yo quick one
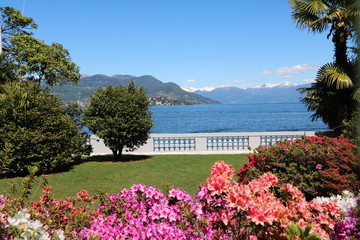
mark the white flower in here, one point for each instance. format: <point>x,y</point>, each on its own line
<point>60,234</point>
<point>36,225</point>
<point>29,229</point>
<point>20,219</point>
<point>345,201</point>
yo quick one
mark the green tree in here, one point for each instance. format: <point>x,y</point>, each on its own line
<point>27,57</point>
<point>335,92</point>
<point>120,116</point>
<point>35,130</point>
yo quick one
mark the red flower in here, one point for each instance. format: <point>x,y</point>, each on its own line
<point>46,190</point>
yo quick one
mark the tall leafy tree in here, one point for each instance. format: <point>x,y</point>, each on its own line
<point>30,58</point>
<point>120,116</point>
<point>36,130</point>
<point>335,92</point>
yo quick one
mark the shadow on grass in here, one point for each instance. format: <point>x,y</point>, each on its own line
<point>110,158</point>
<point>96,158</point>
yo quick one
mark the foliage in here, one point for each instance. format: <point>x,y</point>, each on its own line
<point>120,116</point>
<point>294,232</point>
<point>35,131</point>
<point>332,105</point>
<point>317,166</point>
<point>336,91</point>
<point>6,71</point>
<point>351,130</point>
<point>27,57</point>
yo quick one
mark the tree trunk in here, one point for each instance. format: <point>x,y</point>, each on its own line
<point>339,40</point>
<point>117,153</point>
<point>0,41</point>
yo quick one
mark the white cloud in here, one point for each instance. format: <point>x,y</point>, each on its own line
<point>309,80</point>
<point>191,80</point>
<point>295,69</point>
<point>239,81</point>
<point>265,72</point>
<point>287,77</point>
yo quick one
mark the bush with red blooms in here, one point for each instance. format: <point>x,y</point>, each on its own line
<point>318,166</point>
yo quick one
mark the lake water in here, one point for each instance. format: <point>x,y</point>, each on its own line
<point>234,118</point>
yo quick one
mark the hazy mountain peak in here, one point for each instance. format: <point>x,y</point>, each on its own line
<point>192,89</point>
<point>276,85</point>
<point>267,93</point>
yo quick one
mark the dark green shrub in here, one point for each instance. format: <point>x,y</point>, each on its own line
<point>120,116</point>
<point>318,166</point>
<point>36,131</point>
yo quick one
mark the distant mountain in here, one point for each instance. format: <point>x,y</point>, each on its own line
<point>154,88</point>
<point>282,93</point>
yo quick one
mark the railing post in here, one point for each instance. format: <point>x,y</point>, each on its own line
<point>254,142</point>
<point>148,146</point>
<point>201,143</point>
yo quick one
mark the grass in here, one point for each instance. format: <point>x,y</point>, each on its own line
<point>101,173</point>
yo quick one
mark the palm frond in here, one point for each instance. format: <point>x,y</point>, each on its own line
<point>336,76</point>
<point>333,75</point>
<point>356,95</point>
<point>310,14</point>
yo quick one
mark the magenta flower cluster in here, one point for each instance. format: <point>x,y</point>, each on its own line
<point>348,227</point>
<point>144,212</point>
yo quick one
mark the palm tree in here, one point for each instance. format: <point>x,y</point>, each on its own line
<point>334,94</point>
<point>336,15</point>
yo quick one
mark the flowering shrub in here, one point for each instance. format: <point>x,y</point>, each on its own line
<point>144,212</point>
<point>70,215</point>
<point>318,166</point>
<point>21,226</point>
<point>222,209</point>
<point>240,211</point>
<point>348,227</point>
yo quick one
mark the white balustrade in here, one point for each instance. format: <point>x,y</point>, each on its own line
<point>239,142</point>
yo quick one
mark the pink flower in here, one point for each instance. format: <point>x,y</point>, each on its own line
<point>217,185</point>
<point>294,191</point>
<point>222,168</point>
<point>318,166</point>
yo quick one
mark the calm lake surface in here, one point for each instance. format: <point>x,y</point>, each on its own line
<point>234,118</point>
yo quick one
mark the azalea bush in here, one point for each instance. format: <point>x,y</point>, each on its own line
<point>144,212</point>
<point>348,226</point>
<point>254,209</point>
<point>222,209</point>
<point>318,166</point>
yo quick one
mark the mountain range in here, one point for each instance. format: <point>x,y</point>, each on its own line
<point>172,94</point>
<point>282,93</point>
<point>154,89</point>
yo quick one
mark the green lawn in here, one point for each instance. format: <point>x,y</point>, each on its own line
<point>101,173</point>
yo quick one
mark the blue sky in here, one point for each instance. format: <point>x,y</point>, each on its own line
<point>194,43</point>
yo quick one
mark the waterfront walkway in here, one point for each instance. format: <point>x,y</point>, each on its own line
<point>204,143</point>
